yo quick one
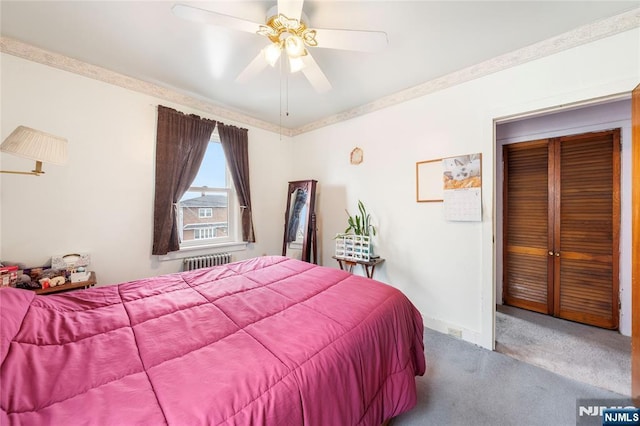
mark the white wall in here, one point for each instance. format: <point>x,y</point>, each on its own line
<point>447,268</point>
<point>102,201</point>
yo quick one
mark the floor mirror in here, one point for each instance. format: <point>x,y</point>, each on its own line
<point>299,240</point>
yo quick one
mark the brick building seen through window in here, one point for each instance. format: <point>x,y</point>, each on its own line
<point>204,217</point>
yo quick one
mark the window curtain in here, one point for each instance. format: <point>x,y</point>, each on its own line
<point>181,142</point>
<point>235,143</point>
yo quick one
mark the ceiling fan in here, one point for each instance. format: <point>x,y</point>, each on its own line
<point>287,31</point>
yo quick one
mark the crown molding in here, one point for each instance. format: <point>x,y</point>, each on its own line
<point>35,54</point>
<point>579,36</point>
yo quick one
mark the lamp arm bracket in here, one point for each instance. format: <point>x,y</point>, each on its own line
<point>36,172</point>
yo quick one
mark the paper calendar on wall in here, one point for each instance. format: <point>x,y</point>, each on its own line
<point>463,188</point>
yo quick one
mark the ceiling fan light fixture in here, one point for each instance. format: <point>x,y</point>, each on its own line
<point>296,64</point>
<point>272,53</point>
<point>289,34</point>
<point>309,37</point>
<point>268,32</point>
<point>294,46</point>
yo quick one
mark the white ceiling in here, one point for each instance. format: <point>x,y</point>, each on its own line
<point>427,40</point>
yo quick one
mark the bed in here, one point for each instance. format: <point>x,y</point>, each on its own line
<point>266,341</point>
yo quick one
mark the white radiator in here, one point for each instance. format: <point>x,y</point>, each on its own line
<point>206,261</point>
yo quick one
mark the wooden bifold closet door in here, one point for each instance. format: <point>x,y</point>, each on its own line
<point>561,227</point>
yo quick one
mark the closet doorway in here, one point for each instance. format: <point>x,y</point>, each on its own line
<point>561,227</point>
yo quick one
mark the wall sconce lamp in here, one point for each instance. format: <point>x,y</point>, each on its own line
<point>35,145</point>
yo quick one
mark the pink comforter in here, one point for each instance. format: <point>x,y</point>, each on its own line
<point>268,341</point>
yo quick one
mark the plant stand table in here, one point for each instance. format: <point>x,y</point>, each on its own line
<point>369,266</point>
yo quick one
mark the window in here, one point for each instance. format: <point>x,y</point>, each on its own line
<point>207,211</point>
<point>204,233</point>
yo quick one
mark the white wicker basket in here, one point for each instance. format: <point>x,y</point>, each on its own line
<point>353,247</point>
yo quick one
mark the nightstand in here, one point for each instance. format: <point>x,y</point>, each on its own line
<point>69,286</point>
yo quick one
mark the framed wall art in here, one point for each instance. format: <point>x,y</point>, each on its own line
<point>429,184</point>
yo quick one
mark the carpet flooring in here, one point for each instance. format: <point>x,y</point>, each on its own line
<point>467,385</point>
<point>588,354</point>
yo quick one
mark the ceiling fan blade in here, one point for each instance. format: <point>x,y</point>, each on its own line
<point>362,41</point>
<point>254,67</point>
<point>315,75</point>
<point>292,9</point>
<point>214,18</point>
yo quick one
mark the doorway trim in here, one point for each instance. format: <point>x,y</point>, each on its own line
<point>498,119</point>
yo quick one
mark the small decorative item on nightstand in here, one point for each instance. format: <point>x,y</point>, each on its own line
<point>75,264</point>
<point>80,276</point>
<point>70,261</point>
<point>8,275</point>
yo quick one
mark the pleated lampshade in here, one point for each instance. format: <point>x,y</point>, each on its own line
<point>36,145</point>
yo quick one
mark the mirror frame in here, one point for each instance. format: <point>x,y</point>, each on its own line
<point>309,244</point>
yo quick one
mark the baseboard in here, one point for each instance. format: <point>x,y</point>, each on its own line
<point>454,330</point>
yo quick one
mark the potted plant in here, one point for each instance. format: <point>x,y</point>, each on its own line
<point>355,242</point>
<point>360,224</point>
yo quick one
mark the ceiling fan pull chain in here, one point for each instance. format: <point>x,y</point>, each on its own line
<point>280,90</point>
<point>287,107</point>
